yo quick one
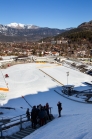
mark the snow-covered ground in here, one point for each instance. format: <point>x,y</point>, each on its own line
<point>38,88</point>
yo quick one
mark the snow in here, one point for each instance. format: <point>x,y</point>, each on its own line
<point>7,57</point>
<point>32,27</point>
<point>16,25</point>
<point>30,80</point>
<point>23,26</point>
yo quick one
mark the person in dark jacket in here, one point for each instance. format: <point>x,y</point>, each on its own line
<point>59,108</point>
<point>47,109</point>
<point>28,114</point>
<point>41,116</point>
<point>45,115</point>
<point>34,117</point>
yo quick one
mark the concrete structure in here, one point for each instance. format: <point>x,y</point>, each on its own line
<point>41,59</point>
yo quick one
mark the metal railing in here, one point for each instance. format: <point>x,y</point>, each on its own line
<point>18,120</point>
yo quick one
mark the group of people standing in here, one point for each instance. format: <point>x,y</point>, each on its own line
<point>40,114</point>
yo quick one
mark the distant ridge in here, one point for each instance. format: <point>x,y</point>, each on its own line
<point>80,34</point>
<point>15,32</point>
<point>87,25</point>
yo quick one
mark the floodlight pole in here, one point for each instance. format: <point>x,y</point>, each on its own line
<point>67,76</point>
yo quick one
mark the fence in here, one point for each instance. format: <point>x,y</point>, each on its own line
<point>18,120</point>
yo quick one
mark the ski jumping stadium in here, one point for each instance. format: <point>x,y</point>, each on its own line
<point>68,91</point>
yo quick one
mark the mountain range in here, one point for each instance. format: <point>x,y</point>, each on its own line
<point>17,32</point>
<point>18,26</point>
<point>81,34</point>
<point>21,32</point>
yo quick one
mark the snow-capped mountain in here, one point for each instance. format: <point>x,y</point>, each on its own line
<point>15,25</point>
<point>22,32</point>
<point>2,27</point>
<point>22,26</point>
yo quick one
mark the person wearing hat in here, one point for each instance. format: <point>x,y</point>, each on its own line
<point>59,108</point>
